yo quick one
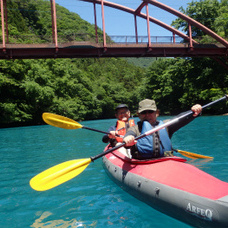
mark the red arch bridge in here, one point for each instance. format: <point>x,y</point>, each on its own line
<point>177,45</point>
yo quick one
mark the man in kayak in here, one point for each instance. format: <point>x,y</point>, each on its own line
<point>159,143</point>
<point>122,114</point>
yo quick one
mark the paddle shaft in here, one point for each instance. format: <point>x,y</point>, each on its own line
<point>216,101</point>
<point>158,128</point>
<point>92,129</point>
<point>107,133</point>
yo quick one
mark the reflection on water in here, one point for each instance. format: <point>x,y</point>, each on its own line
<point>200,163</point>
<point>42,222</point>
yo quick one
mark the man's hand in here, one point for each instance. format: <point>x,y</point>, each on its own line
<point>130,140</point>
<point>197,109</point>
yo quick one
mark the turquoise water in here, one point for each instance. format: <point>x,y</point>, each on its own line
<point>90,199</point>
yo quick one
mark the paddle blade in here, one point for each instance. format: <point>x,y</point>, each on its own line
<point>60,121</point>
<point>59,174</point>
<point>193,155</point>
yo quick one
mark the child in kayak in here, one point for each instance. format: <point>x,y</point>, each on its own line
<point>122,114</point>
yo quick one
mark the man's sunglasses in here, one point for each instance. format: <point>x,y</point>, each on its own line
<point>147,112</point>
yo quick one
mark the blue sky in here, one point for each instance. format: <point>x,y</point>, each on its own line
<point>118,23</point>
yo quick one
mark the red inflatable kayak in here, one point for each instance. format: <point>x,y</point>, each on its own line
<point>172,186</point>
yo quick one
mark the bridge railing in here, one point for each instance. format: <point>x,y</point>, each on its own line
<point>65,38</point>
<point>144,39</point>
<point>79,37</point>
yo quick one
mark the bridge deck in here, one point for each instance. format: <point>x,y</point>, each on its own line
<point>88,49</point>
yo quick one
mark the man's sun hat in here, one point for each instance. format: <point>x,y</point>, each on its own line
<point>147,104</point>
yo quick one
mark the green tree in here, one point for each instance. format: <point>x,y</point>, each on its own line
<point>221,22</point>
<point>204,11</point>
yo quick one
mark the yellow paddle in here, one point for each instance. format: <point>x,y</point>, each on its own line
<point>58,174</point>
<point>67,123</point>
<point>65,171</point>
<point>64,122</point>
<point>192,155</point>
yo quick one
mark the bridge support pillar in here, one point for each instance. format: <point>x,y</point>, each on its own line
<point>136,29</point>
<point>95,21</point>
<point>190,36</point>
<point>103,25</point>
<point>174,38</point>
<point>54,25</point>
<point>3,27</point>
<point>148,25</point>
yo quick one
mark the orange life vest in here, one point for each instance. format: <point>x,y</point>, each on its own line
<point>122,127</point>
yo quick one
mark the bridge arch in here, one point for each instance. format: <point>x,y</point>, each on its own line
<point>162,6</point>
<point>137,13</point>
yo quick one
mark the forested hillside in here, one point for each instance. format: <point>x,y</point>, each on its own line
<point>85,89</point>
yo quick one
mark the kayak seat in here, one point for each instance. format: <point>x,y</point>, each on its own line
<point>124,151</point>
